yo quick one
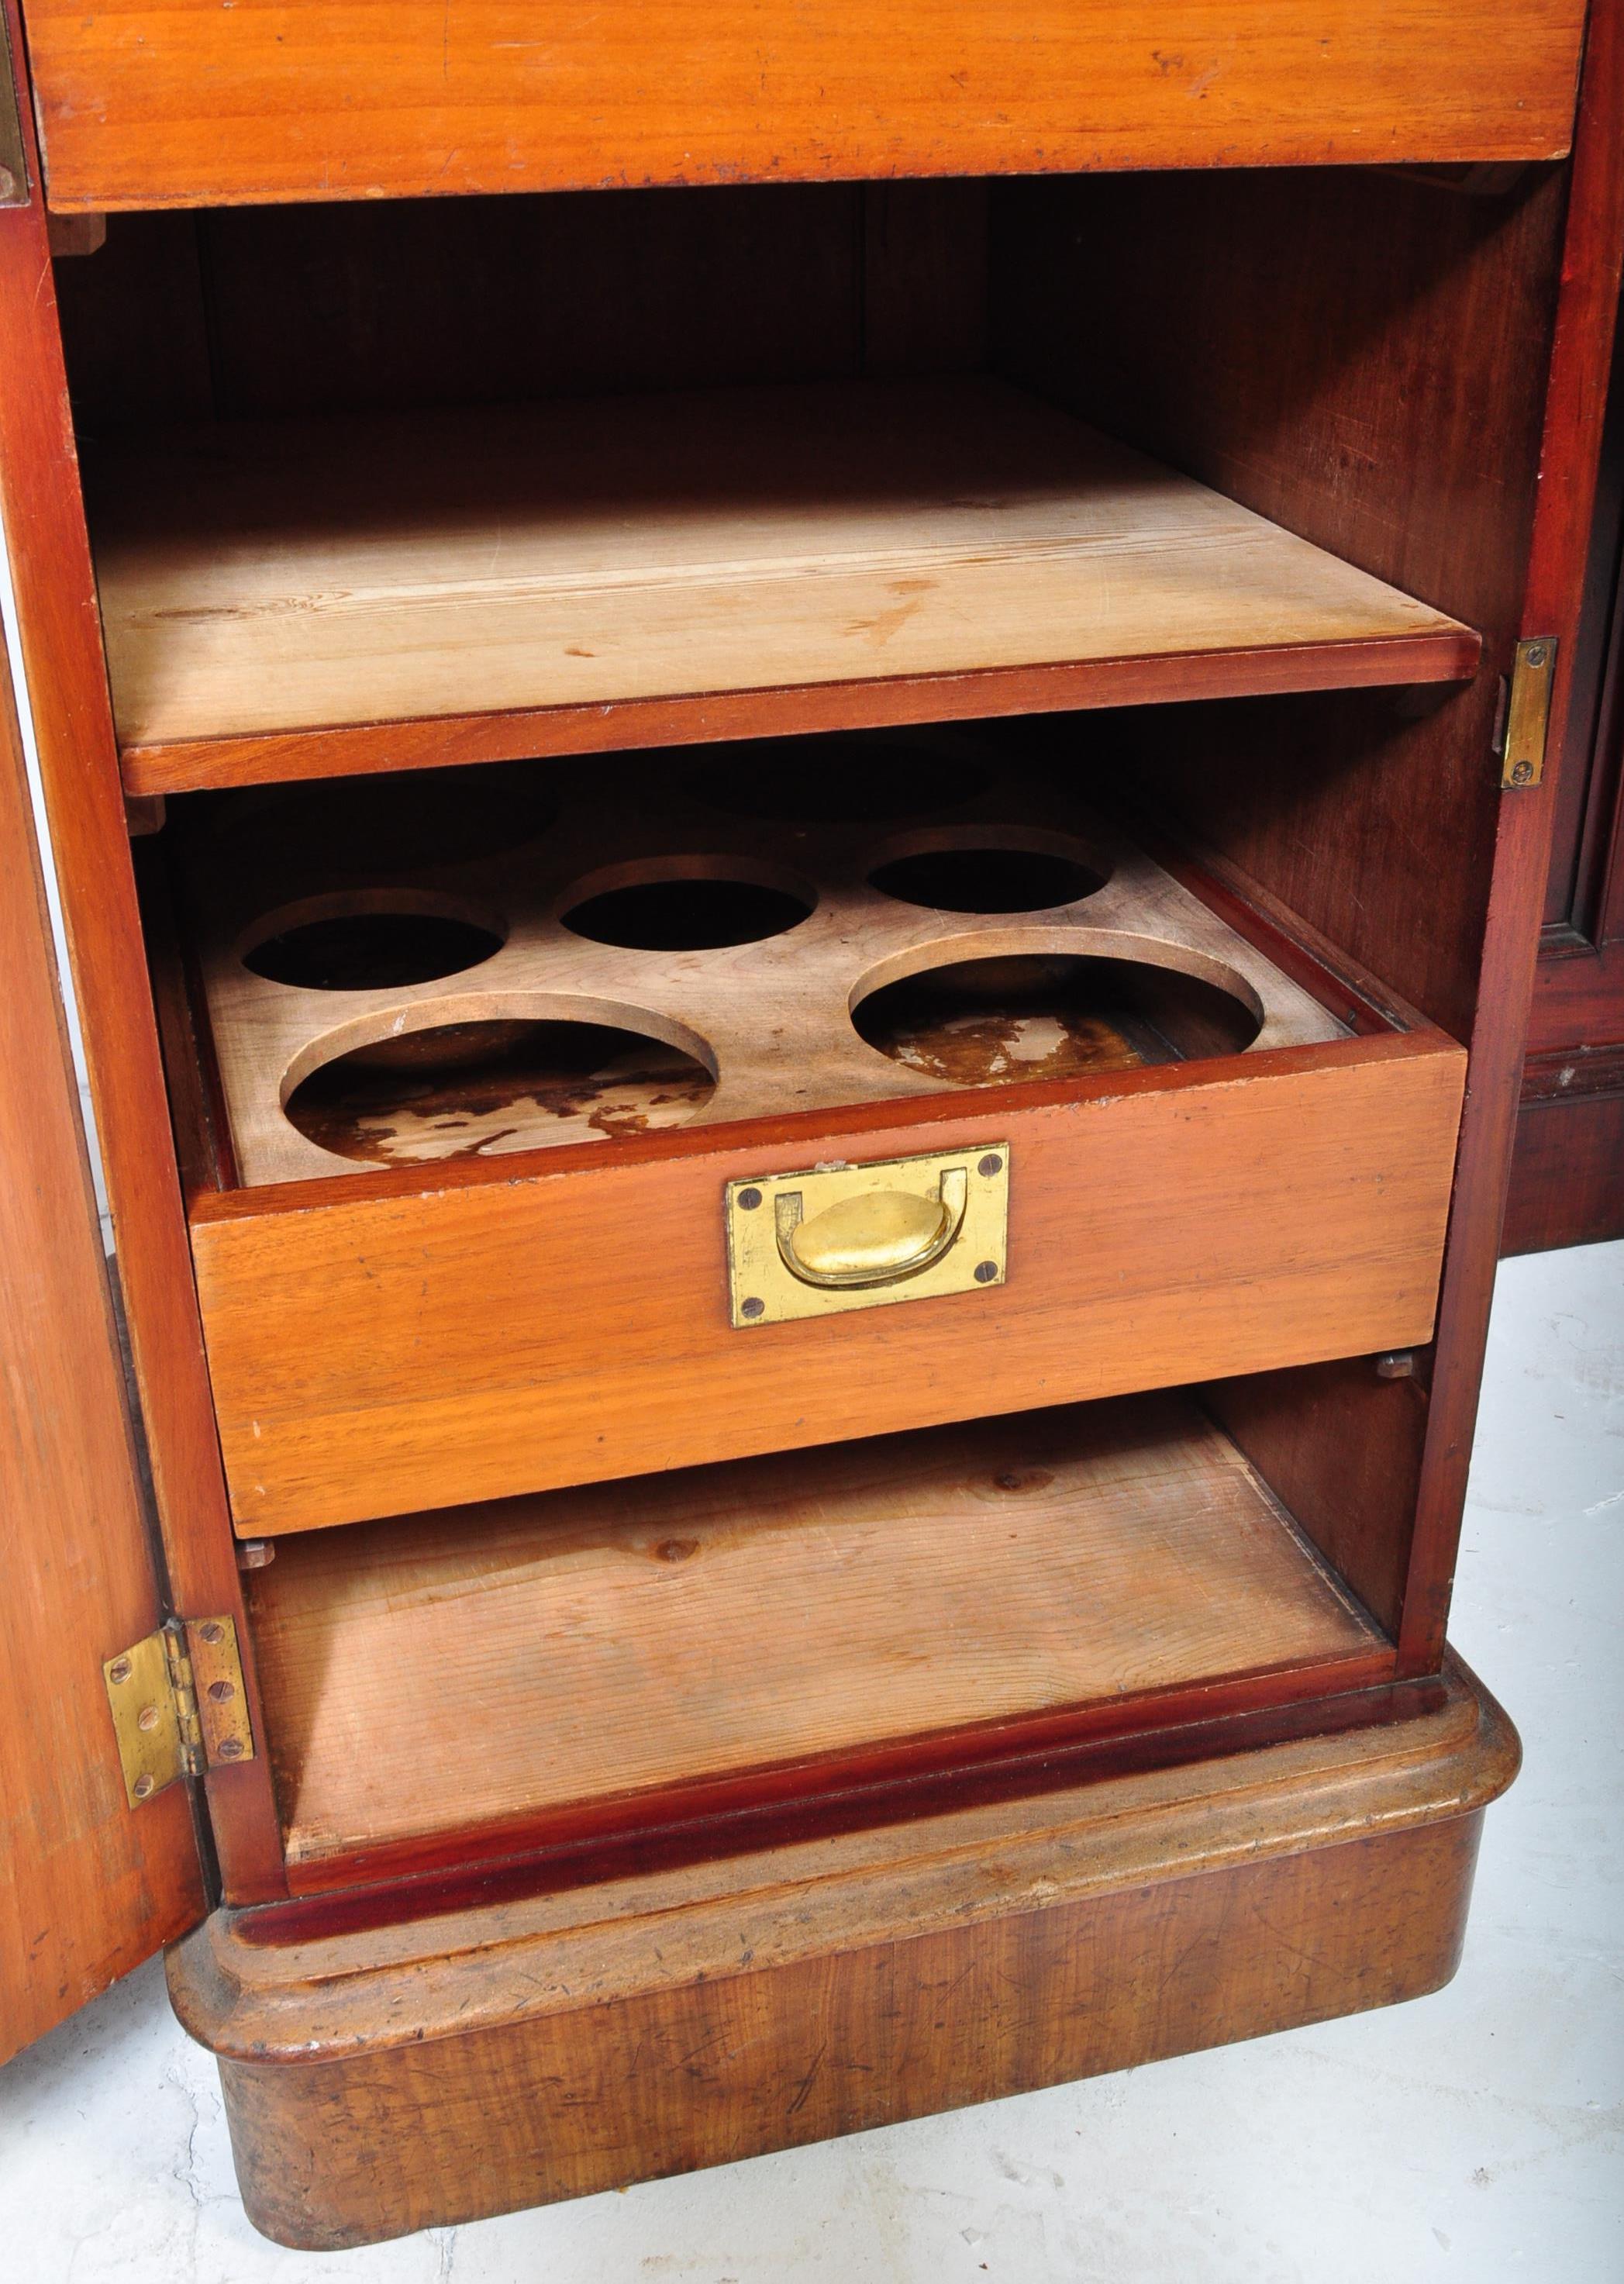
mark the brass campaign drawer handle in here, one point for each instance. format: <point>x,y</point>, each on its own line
<point>824,1239</point>
<point>880,1237</point>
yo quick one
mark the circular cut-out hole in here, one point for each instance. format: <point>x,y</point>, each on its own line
<point>691,913</point>
<point>398,821</point>
<point>372,951</point>
<point>838,780</point>
<point>473,1089</point>
<point>989,880</point>
<point>992,1022</point>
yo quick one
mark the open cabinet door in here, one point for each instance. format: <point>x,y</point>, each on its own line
<point>89,1886</point>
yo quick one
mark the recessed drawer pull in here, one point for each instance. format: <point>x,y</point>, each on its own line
<point>834,1237</point>
<point>877,1237</point>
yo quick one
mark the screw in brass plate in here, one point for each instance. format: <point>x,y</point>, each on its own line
<point>231,1749</point>
<point>985,1272</point>
<point>1522,773</point>
<point>990,1165</point>
<point>147,1718</point>
<point>1536,654</point>
<point>751,1308</point>
<point>220,1691</point>
<point>212,1630</point>
<point>9,185</point>
<point>142,1786</point>
<point>119,1669</point>
<point>748,1200</point>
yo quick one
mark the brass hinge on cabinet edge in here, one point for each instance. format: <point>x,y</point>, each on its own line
<point>13,159</point>
<point>1527,714</point>
<point>178,1704</point>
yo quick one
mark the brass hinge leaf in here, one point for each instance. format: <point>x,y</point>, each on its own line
<point>1527,714</point>
<point>178,1704</point>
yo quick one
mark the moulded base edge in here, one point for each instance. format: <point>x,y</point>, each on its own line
<point>432,2072</point>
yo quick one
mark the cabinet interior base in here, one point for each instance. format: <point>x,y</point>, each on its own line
<point>629,1654</point>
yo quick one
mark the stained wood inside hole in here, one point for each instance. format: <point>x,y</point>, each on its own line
<point>986,1021</point>
<point>464,1090</point>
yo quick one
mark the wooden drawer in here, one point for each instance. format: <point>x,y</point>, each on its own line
<point>543,1099</point>
<point>380,1344</point>
<point>173,102</point>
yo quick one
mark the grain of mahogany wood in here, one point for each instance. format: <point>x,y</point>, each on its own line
<point>264,579</point>
<point>402,2076</point>
<point>89,1889</point>
<point>173,102</point>
<point>609,1642</point>
<point>380,1344</point>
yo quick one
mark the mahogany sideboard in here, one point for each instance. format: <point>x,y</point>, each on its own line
<point>799,766</point>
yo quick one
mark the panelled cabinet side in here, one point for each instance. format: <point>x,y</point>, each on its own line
<point>88,1891</point>
<point>54,586</point>
<point>1575,405</point>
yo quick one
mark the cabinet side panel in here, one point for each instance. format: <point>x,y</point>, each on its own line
<point>90,1887</point>
<point>62,658</point>
<point>1570,452</point>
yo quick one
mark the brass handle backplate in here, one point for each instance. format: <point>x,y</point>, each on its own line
<point>838,1236</point>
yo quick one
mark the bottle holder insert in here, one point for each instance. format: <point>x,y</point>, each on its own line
<point>472,962</point>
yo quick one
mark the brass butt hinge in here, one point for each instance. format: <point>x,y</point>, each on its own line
<point>1527,714</point>
<point>178,1704</point>
<point>13,159</point>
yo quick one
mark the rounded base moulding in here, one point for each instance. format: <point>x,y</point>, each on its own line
<point>428,2072</point>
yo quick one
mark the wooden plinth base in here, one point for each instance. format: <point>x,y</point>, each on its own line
<point>393,2078</point>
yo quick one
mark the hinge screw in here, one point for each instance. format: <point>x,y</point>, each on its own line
<point>142,1788</point>
<point>1522,773</point>
<point>1536,654</point>
<point>231,1749</point>
<point>119,1669</point>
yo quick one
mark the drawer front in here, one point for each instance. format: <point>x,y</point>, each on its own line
<point>376,1354</point>
<point>177,102</point>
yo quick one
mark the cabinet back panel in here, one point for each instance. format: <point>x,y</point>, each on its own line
<point>253,312</point>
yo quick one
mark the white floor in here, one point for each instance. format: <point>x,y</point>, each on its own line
<point>1476,2134</point>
